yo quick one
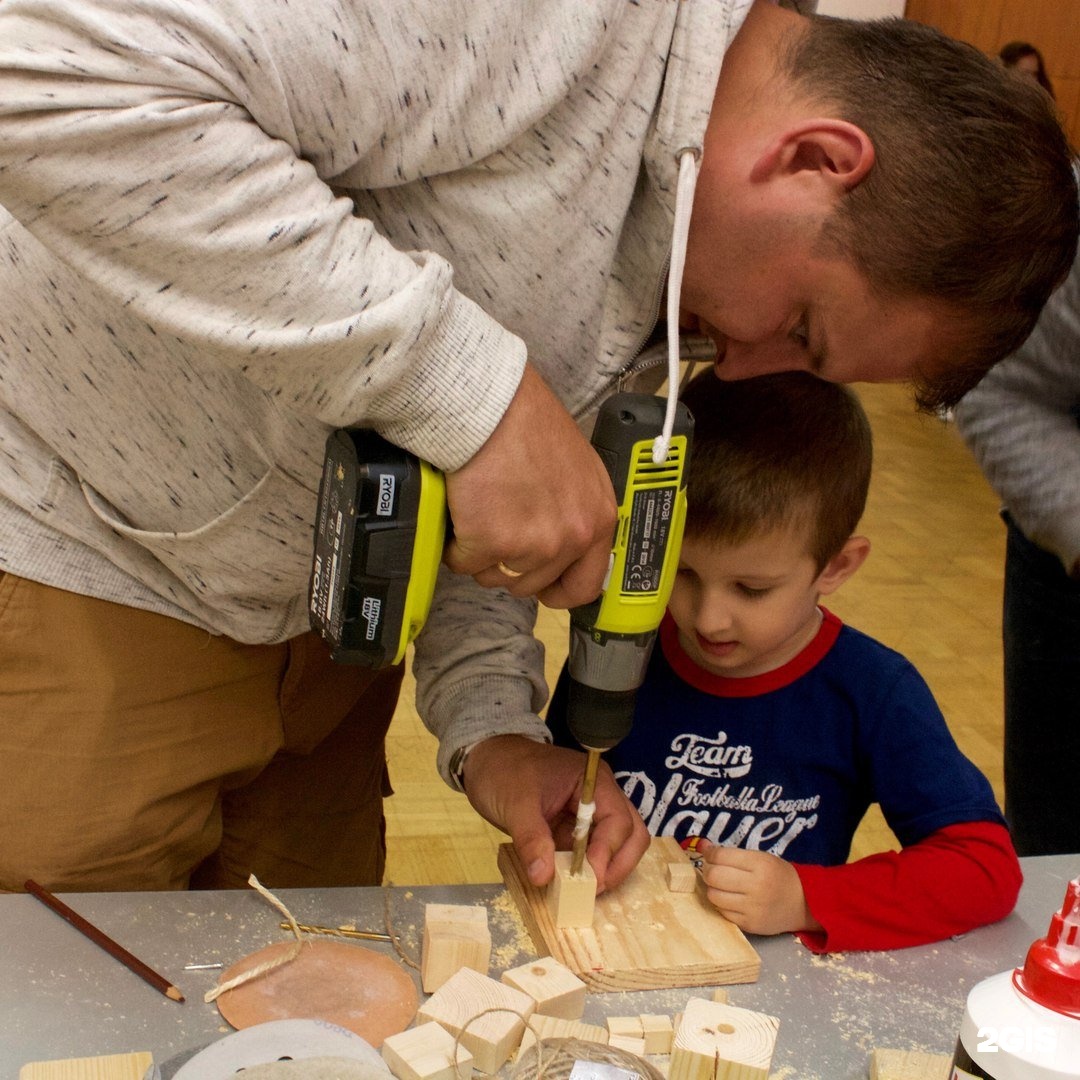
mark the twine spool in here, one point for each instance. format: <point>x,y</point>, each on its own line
<point>554,1059</point>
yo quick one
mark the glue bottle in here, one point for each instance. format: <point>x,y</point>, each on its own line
<point>1025,1024</point>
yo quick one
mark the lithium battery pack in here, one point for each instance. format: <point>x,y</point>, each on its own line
<point>379,534</point>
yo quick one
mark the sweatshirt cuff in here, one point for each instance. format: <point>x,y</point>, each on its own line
<point>457,392</point>
<point>482,708</point>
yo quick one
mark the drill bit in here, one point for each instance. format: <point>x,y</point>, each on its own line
<point>586,806</point>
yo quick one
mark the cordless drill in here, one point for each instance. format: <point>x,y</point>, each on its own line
<point>379,532</point>
<point>611,639</point>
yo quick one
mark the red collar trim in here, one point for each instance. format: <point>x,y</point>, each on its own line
<point>751,685</point>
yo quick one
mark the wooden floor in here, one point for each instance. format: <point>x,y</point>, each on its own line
<point>930,589</point>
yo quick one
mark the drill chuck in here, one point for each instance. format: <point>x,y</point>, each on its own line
<point>605,673</point>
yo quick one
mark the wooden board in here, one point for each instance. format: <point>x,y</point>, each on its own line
<point>109,1067</point>
<point>643,937</point>
<point>909,1065</point>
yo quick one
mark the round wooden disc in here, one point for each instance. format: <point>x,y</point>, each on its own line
<point>348,985</point>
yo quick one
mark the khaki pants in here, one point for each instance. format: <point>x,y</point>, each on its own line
<point>138,752</point>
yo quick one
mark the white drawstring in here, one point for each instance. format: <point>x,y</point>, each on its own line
<point>684,203</point>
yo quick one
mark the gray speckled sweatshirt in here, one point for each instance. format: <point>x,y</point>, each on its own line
<point>232,225</point>
<point>1021,423</point>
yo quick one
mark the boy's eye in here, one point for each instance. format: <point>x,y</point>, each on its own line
<point>751,592</point>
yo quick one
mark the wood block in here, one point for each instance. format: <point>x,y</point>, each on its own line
<point>642,937</point>
<point>681,877</point>
<point>720,1042</point>
<point>426,1052</point>
<point>107,1067</point>
<point>555,1027</point>
<point>720,994</point>
<point>571,897</point>
<point>658,1032</point>
<point>625,1026</point>
<point>455,936</point>
<point>909,1065</point>
<point>556,990</point>
<point>627,1043</point>
<point>457,1005</point>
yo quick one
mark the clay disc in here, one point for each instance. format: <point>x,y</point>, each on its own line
<point>348,985</point>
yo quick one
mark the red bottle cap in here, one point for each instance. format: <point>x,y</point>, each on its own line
<point>1051,973</point>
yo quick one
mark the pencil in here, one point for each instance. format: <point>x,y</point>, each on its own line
<point>98,937</point>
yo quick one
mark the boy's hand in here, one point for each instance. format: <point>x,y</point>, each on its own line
<point>760,893</point>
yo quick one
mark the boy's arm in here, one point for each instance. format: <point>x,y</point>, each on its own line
<point>956,879</point>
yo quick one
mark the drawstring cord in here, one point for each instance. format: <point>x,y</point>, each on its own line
<point>684,202</point>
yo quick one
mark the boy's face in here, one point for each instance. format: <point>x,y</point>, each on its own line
<point>746,609</point>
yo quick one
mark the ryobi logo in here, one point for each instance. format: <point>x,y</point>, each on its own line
<point>384,504</point>
<point>371,609</point>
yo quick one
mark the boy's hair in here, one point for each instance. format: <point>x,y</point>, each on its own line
<point>776,451</point>
<point>972,199</point>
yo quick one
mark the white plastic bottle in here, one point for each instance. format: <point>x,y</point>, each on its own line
<point>1025,1024</point>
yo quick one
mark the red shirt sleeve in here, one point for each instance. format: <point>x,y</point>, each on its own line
<point>956,879</point>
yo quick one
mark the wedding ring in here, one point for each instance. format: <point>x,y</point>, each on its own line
<point>504,569</point>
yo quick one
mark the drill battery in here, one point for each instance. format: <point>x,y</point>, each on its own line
<point>379,532</point>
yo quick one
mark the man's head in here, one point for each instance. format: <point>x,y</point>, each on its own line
<point>777,482</point>
<point>876,202</point>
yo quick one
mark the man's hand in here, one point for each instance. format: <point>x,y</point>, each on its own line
<point>531,790</point>
<point>760,893</point>
<point>537,499</point>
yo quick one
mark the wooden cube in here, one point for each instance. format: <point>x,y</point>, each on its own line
<point>624,1027</point>
<point>426,1052</point>
<point>556,990</point>
<point>571,897</point>
<point>455,936</point>
<point>720,1042</point>
<point>658,1032</point>
<point>458,1005</point>
<point>681,877</point>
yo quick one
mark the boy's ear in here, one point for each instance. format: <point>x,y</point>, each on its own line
<point>842,565</point>
<point>838,153</point>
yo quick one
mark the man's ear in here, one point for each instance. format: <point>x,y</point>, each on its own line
<point>840,153</point>
<point>842,565</point>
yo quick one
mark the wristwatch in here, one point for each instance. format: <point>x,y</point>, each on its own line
<point>457,765</point>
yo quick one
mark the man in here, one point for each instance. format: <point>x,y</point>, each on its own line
<point>235,226</point>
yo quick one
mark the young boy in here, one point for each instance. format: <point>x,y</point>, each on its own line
<point>765,728</point>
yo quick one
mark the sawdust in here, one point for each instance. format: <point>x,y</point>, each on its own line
<point>510,929</point>
<point>836,962</point>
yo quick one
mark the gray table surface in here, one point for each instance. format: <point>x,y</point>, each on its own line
<point>61,996</point>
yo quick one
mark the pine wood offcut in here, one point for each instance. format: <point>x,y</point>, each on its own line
<point>643,936</point>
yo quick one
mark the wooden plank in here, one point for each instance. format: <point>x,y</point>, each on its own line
<point>643,937</point>
<point>909,1065</point>
<point>109,1067</point>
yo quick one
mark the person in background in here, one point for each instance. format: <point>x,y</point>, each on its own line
<point>1025,59</point>
<point>1021,423</point>
<point>232,226</point>
<point>765,728</point>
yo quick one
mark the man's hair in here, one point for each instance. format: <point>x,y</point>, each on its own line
<point>972,199</point>
<point>785,450</point>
